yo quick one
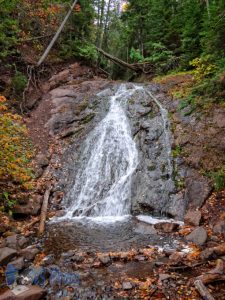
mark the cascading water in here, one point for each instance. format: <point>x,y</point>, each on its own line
<point>103,182</point>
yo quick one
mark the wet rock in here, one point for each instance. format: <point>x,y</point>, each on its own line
<point>18,263</point>
<point>6,254</point>
<point>193,217</point>
<point>29,253</point>
<point>126,285</point>
<point>198,236</point>
<point>104,259</point>
<point>144,228</point>
<point>60,213</point>
<point>177,205</point>
<point>166,227</point>
<point>30,293</point>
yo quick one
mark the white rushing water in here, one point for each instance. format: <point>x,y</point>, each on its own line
<point>103,183</point>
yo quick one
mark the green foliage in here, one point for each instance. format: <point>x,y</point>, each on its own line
<point>203,68</point>
<point>135,55</point>
<point>8,203</point>
<point>177,151</point>
<point>19,82</point>
<point>87,51</point>
<point>8,28</point>
<point>79,49</point>
<point>218,178</point>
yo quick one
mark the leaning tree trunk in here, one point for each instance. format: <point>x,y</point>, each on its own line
<point>56,35</point>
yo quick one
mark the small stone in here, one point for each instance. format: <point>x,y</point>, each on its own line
<point>67,254</point>
<point>29,253</point>
<point>159,263</point>
<point>166,227</point>
<point>140,258</point>
<point>126,285</point>
<point>198,236</point>
<point>219,227</point>
<point>31,293</point>
<point>104,259</point>
<point>18,263</point>
<point>193,217</point>
<point>22,242</point>
<point>42,160</point>
<point>6,254</point>
<point>12,241</point>
<point>164,276</point>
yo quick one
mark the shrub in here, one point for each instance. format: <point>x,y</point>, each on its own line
<point>218,178</point>
<point>203,68</point>
<point>15,154</point>
<point>19,82</point>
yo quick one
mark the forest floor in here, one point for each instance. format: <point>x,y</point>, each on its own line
<point>142,273</point>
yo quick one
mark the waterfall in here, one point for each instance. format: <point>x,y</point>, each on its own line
<point>103,183</point>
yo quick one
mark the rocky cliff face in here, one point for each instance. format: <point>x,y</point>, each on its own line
<point>71,108</point>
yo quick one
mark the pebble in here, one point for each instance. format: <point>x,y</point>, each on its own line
<point>127,286</point>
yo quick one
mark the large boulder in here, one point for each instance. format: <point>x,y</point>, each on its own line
<point>198,189</point>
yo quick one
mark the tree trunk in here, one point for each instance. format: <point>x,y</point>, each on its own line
<point>44,210</point>
<point>208,9</point>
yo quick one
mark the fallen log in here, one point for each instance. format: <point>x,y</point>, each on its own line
<point>203,291</point>
<point>216,274</point>
<point>144,67</point>
<point>44,210</point>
